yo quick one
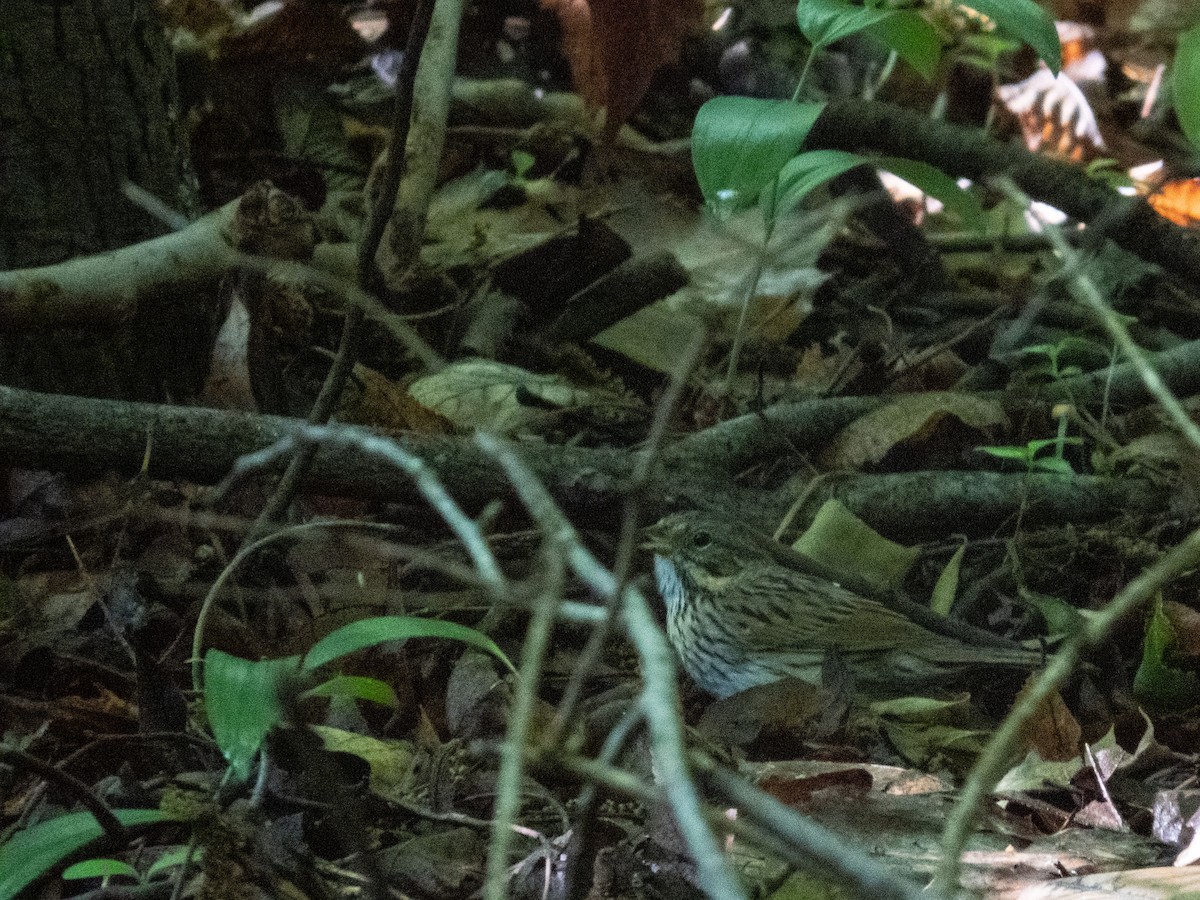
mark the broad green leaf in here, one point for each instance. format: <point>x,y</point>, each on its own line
<point>916,41</point>
<point>1029,22</point>
<point>368,632</point>
<point>30,853</point>
<point>100,868</point>
<point>1157,682</point>
<point>807,171</point>
<point>356,687</point>
<point>739,144</point>
<point>242,700</point>
<point>1186,78</point>
<point>938,184</point>
<point>826,21</point>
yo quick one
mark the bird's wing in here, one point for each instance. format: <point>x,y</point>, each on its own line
<point>821,615</point>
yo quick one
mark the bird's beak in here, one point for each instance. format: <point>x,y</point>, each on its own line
<point>654,537</point>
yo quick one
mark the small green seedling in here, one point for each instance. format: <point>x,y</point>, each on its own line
<point>1054,367</point>
<point>1028,455</point>
<point>747,151</point>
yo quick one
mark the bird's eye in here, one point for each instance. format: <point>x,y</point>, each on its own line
<point>701,540</point>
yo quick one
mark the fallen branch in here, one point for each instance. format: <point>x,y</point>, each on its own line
<point>84,436</point>
<point>968,152</point>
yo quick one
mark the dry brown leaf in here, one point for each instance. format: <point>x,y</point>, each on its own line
<point>1053,731</point>
<point>482,393</point>
<point>869,439</point>
<point>373,399</point>
<point>939,373</point>
<point>848,784</point>
<point>615,46</point>
<point>1160,883</point>
<point>789,704</point>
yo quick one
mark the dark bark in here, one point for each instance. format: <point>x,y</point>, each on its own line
<point>968,152</point>
<point>87,101</point>
<point>88,436</point>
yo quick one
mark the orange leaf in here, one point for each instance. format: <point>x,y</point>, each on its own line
<point>1178,201</point>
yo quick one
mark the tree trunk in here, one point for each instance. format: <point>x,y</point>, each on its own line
<point>88,100</point>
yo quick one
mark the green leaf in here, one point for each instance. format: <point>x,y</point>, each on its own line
<point>739,144</point>
<point>936,183</point>
<point>807,171</point>
<point>826,21</point>
<point>242,699</point>
<point>916,41</point>
<point>176,856</point>
<point>1026,20</point>
<point>1186,85</point>
<point>357,688</point>
<point>1055,465</point>
<point>1036,447</point>
<point>100,868</point>
<point>947,583</point>
<point>522,161</point>
<point>1155,681</point>
<point>844,543</point>
<point>1020,454</point>
<point>29,854</point>
<point>1062,619</point>
<point>368,632</point>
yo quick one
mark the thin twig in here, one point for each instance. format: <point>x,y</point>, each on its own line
<point>1085,289</point>
<point>369,278</point>
<point>643,469</point>
<point>659,698</point>
<point>512,754</point>
<point>581,853</point>
<point>72,786</point>
<point>994,760</point>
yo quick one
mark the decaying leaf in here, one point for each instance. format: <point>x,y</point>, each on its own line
<point>615,46</point>
<point>391,761</point>
<point>867,440</point>
<point>370,398</point>
<point>1053,731</point>
<point>480,393</point>
<point>463,230</point>
<point>845,543</point>
<point>789,704</point>
<point>724,257</point>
